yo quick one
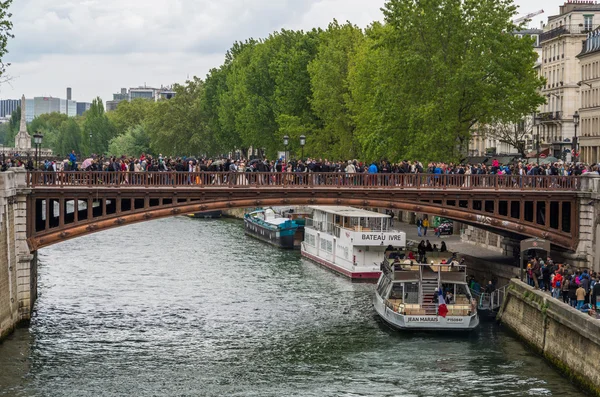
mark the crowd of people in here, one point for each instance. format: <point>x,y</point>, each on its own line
<point>576,287</point>
<point>147,162</point>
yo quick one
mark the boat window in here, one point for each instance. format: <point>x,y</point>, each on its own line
<point>462,295</point>
<point>383,287</point>
<point>411,293</point>
<point>397,290</point>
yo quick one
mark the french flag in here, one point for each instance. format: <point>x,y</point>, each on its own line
<point>442,309</point>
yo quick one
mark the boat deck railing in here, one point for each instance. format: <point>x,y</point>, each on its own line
<point>462,309</point>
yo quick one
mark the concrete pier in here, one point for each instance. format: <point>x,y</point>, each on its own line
<point>567,338</point>
<point>18,267</point>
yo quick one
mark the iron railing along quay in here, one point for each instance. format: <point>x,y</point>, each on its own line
<point>288,180</point>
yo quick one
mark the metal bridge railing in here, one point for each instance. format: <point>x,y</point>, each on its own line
<point>97,179</point>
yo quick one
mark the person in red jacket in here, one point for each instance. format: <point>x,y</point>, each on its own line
<point>556,284</point>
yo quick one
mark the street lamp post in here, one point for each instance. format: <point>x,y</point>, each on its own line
<point>536,121</point>
<point>574,145</point>
<point>302,143</point>
<point>37,139</point>
<point>90,143</point>
<point>286,141</point>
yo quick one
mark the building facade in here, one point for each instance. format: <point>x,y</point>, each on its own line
<point>83,107</point>
<point>147,93</point>
<point>561,43</point>
<point>589,126</point>
<point>7,106</point>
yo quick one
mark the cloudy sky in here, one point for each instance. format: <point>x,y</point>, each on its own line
<point>98,46</point>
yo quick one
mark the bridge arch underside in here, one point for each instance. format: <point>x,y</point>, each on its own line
<point>56,215</point>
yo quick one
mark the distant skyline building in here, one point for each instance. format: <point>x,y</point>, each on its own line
<point>83,107</point>
<point>7,106</point>
<point>142,92</point>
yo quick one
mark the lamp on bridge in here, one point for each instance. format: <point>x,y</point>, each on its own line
<point>37,140</point>
<point>90,143</point>
<point>286,142</point>
<point>302,143</point>
<point>574,149</point>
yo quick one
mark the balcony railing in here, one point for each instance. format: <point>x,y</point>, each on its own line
<point>550,116</point>
<point>566,29</point>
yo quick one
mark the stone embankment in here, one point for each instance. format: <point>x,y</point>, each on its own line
<point>18,267</point>
<point>567,338</point>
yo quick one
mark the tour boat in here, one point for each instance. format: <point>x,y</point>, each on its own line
<point>413,296</point>
<point>265,225</point>
<point>349,241</point>
<point>299,216</point>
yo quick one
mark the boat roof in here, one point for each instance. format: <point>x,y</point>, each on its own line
<point>349,211</point>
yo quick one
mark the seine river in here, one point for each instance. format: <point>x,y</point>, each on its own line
<point>187,307</point>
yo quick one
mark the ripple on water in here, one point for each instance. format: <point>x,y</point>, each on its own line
<point>188,307</point>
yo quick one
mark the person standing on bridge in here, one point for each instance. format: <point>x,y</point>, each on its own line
<point>73,160</point>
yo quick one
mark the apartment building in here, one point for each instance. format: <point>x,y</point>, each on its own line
<point>561,43</point>
<point>587,143</point>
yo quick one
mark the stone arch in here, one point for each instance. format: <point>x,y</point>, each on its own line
<point>52,237</point>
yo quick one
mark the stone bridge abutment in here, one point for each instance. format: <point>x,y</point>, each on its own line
<point>18,265</point>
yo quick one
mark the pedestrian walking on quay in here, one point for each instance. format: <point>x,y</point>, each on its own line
<point>425,226</point>
<point>580,294</point>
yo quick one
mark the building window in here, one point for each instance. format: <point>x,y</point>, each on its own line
<point>587,22</point>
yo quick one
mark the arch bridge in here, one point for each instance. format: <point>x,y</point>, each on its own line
<point>64,205</point>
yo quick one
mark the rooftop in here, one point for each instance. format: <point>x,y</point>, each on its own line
<point>349,212</point>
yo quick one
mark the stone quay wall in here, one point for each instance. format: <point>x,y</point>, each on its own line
<point>18,267</point>
<point>567,338</point>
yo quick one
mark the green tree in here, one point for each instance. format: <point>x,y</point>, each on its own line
<point>69,138</point>
<point>130,114</point>
<point>177,126</point>
<point>444,66</point>
<point>331,96</point>
<point>13,126</point>
<point>50,125</point>
<point>5,33</point>
<point>99,126</point>
<point>134,142</point>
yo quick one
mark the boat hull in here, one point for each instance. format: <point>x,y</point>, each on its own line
<point>423,322</point>
<point>368,276</point>
<point>279,237</point>
<point>207,214</point>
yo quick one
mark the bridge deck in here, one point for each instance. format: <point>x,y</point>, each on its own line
<point>67,204</point>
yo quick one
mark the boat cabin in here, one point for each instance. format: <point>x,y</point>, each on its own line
<point>350,237</point>
<point>410,288</point>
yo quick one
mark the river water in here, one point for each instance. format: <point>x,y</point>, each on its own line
<point>188,307</point>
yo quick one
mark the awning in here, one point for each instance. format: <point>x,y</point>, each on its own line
<point>543,154</point>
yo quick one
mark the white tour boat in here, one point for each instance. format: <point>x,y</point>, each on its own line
<point>349,240</point>
<point>425,296</point>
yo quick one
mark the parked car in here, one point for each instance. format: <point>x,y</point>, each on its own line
<point>445,228</point>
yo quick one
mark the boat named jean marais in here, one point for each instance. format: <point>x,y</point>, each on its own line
<point>431,296</point>
<point>349,240</point>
